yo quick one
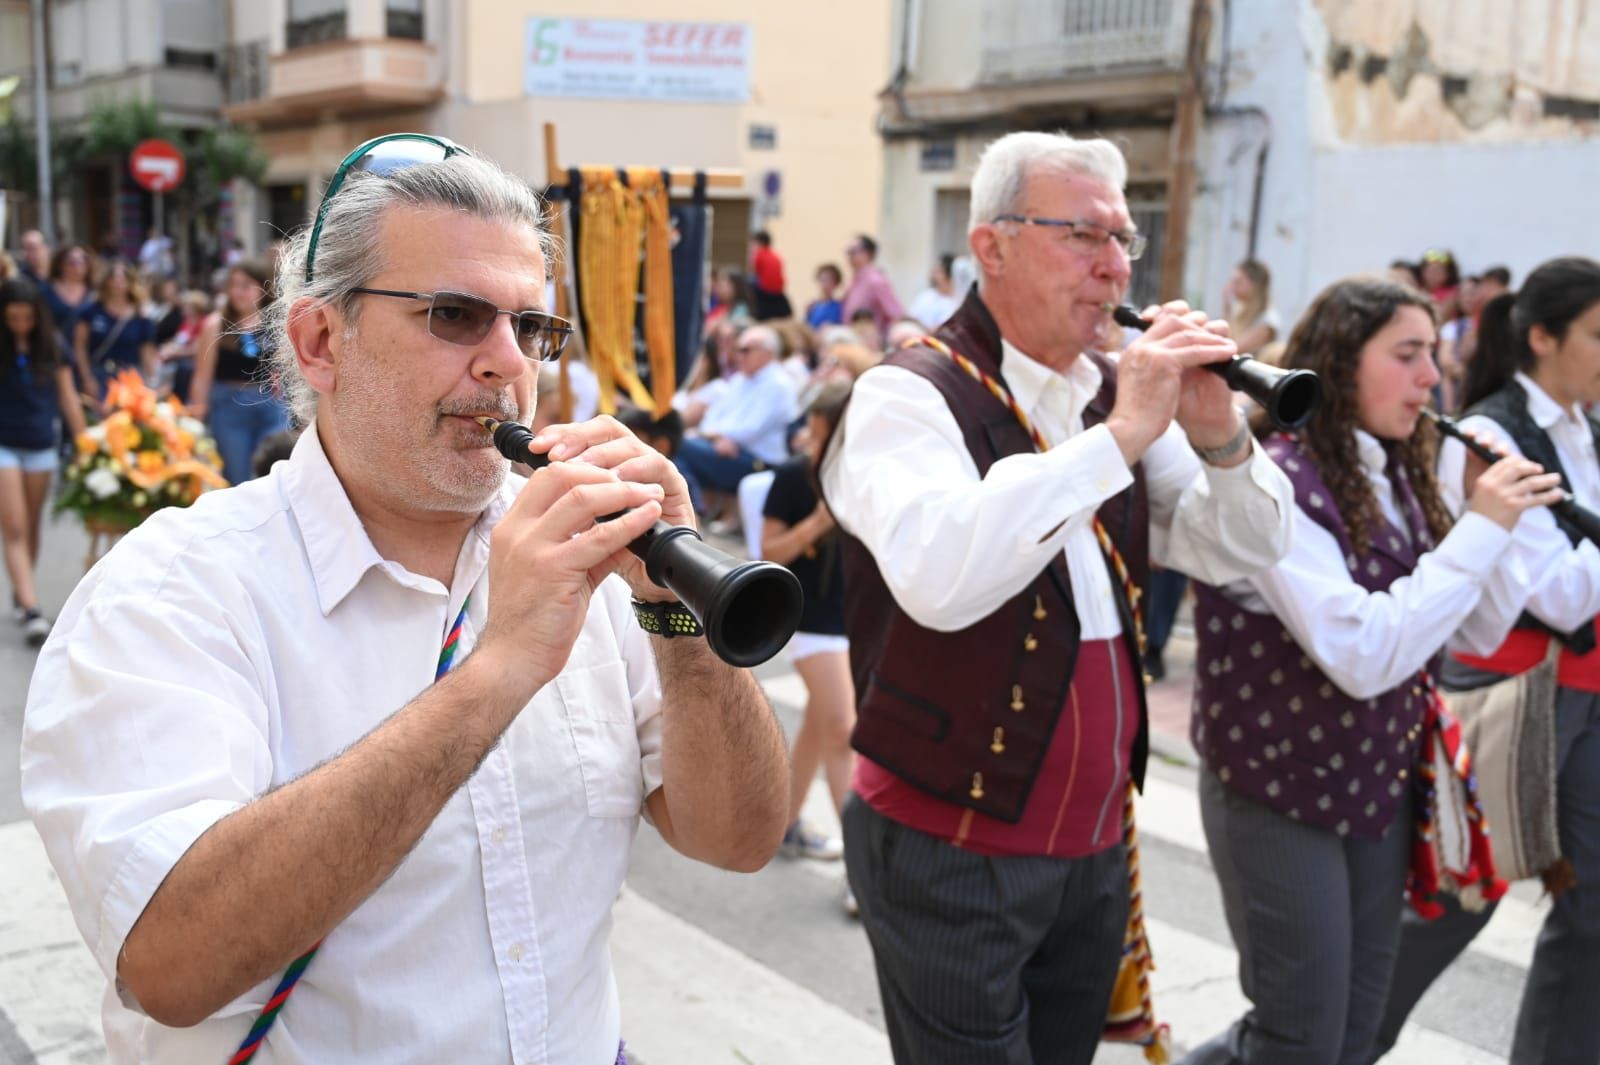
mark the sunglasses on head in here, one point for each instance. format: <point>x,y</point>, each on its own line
<point>465,319</point>
<point>380,155</point>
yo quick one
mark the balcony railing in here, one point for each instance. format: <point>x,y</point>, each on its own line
<point>1031,40</point>
<point>245,72</point>
<point>350,76</point>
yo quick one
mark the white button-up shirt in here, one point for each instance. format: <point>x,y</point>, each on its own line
<point>1467,591</point>
<point>1567,589</point>
<point>224,650</point>
<point>953,547</point>
<point>754,413</point>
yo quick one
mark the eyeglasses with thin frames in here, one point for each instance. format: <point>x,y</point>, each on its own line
<point>1083,236</point>
<point>380,155</point>
<point>465,319</point>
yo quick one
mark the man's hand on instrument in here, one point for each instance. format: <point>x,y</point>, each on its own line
<point>606,443</point>
<point>547,556</point>
<point>1159,379</point>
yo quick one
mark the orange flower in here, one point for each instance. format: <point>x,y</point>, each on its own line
<point>151,461</point>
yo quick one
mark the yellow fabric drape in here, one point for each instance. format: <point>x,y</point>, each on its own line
<point>616,219</point>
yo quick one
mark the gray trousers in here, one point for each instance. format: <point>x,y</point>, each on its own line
<point>986,961</point>
<point>1559,1022</point>
<point>1316,920</point>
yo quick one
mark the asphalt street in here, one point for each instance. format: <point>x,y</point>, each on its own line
<point>761,969</point>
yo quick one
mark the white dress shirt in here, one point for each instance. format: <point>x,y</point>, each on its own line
<point>1369,642</point>
<point>754,412</point>
<point>224,650</point>
<point>1567,592</point>
<point>953,548</point>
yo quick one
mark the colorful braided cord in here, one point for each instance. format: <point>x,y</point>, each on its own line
<point>274,1006</point>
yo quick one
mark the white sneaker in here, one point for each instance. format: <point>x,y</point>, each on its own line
<point>802,841</point>
<point>35,627</point>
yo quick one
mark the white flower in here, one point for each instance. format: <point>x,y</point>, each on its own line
<point>102,483</point>
<point>97,432</point>
<point>140,499</point>
<point>192,425</point>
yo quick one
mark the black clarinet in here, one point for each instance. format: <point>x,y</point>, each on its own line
<point>1567,508</point>
<point>748,609</point>
<point>1288,396</point>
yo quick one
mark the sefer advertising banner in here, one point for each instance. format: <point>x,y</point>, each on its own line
<point>700,62</point>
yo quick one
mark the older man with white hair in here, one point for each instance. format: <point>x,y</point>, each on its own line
<point>1004,487</point>
<point>744,429</point>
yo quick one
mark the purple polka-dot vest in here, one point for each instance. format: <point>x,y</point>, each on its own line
<point>1271,724</point>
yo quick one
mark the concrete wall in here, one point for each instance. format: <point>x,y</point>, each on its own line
<point>1339,198</point>
<point>1459,69</point>
<point>1517,204</point>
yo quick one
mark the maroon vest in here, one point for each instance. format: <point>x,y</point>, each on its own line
<point>928,703</point>
<point>1271,724</point>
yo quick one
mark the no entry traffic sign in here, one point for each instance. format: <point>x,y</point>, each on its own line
<point>156,165</point>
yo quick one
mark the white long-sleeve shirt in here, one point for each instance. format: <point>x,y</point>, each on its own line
<point>754,412</point>
<point>953,547</point>
<point>1468,591</point>
<point>1566,592</point>
<point>226,650</point>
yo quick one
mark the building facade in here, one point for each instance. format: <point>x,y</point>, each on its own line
<point>110,51</point>
<point>1337,135</point>
<point>783,94</point>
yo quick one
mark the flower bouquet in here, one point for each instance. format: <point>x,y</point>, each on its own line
<point>146,454</point>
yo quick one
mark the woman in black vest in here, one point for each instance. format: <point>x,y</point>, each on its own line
<point>1310,704</point>
<point>1537,365</point>
<point>232,387</point>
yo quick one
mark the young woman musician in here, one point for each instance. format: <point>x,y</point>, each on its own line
<point>1536,366</point>
<point>1310,696</point>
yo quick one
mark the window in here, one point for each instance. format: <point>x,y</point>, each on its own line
<point>190,60</point>
<point>403,18</point>
<point>315,21</point>
<point>1148,209</point>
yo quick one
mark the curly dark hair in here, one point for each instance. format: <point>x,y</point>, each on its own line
<point>1328,340</point>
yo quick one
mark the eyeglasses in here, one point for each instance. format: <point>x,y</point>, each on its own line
<point>460,318</point>
<point>1084,237</point>
<point>380,155</point>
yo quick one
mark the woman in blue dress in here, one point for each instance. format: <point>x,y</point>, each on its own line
<point>113,334</point>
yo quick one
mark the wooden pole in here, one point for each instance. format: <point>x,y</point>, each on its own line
<point>1185,130</point>
<point>555,174</point>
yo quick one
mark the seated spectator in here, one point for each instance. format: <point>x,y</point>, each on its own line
<point>940,299</point>
<point>865,324</point>
<point>730,297</point>
<point>743,430</point>
<point>665,433</point>
<point>707,381</point>
<point>903,330</point>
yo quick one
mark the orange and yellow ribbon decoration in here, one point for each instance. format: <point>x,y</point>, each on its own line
<point>616,219</point>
